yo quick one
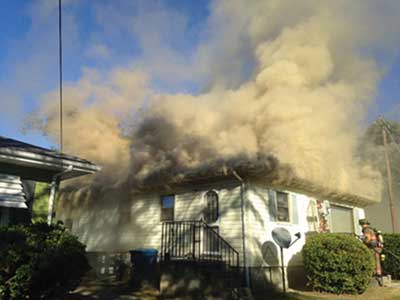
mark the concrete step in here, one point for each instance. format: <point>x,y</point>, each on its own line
<point>381,281</point>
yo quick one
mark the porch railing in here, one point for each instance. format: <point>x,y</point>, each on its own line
<point>196,240</point>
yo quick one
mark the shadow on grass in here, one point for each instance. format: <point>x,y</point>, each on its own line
<point>106,290</point>
<point>292,295</point>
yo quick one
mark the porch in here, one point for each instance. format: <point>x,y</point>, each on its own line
<point>194,254</point>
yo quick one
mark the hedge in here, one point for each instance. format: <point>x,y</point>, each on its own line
<point>39,262</point>
<point>337,263</point>
<point>391,265</point>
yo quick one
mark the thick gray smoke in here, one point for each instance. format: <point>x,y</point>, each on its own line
<point>310,85</point>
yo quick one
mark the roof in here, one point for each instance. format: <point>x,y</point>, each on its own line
<point>40,164</point>
<point>265,169</point>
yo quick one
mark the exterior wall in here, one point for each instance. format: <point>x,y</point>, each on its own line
<point>119,222</point>
<point>189,206</point>
<point>260,225</point>
<point>112,222</point>
<point>264,254</point>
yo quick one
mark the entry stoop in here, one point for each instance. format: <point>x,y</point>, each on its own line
<point>385,281</point>
<point>192,280</point>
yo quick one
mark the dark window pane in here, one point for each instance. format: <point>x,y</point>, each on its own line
<point>167,208</point>
<point>282,202</point>
<point>168,201</point>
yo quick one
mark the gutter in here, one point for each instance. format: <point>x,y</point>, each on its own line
<point>54,187</point>
<point>44,160</point>
<point>243,214</point>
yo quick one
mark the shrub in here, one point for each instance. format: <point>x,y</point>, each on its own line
<point>391,265</point>
<point>39,262</point>
<point>337,263</point>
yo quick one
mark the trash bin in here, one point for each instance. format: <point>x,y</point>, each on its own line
<point>144,264</point>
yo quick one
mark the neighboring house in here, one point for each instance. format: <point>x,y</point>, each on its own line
<point>21,165</point>
<point>213,215</point>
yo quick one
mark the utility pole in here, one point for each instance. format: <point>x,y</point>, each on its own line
<point>60,62</point>
<point>395,225</point>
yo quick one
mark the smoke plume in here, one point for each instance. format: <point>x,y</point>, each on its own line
<point>282,78</point>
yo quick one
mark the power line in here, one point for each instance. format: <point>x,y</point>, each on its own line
<point>60,69</point>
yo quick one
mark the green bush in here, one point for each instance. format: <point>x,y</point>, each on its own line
<point>39,262</point>
<point>391,265</point>
<point>337,263</point>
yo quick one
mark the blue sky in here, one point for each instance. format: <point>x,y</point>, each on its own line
<point>108,34</point>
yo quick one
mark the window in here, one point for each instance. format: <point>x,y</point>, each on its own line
<point>341,218</point>
<point>68,224</point>
<point>282,205</point>
<point>312,216</point>
<point>167,207</point>
<point>211,211</point>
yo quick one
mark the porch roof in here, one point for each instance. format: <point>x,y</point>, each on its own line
<point>31,162</point>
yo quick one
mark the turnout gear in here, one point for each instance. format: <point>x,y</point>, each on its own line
<point>373,239</point>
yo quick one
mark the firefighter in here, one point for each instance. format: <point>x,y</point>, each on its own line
<point>373,241</point>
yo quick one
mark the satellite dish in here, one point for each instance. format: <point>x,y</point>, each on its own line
<point>282,237</point>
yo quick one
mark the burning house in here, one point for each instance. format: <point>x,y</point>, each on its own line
<point>268,136</point>
<point>220,213</point>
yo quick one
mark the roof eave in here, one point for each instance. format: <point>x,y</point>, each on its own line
<point>52,164</point>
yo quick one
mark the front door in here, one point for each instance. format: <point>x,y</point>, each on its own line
<point>212,218</point>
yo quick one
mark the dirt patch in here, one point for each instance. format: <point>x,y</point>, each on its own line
<point>106,290</point>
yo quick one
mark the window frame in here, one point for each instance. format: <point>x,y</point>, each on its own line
<point>313,220</point>
<point>289,208</point>
<point>162,208</point>
<point>342,206</point>
<point>205,207</point>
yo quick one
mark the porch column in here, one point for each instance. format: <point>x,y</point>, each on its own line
<point>53,191</point>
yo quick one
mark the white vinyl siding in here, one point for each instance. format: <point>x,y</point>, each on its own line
<point>262,219</point>
<point>117,222</point>
<point>190,206</point>
<point>11,192</point>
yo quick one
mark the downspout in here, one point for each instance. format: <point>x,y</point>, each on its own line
<point>54,187</point>
<point>243,213</point>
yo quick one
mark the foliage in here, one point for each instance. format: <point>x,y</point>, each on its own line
<point>372,149</point>
<point>391,265</point>
<point>337,263</point>
<point>374,132</point>
<point>41,202</point>
<point>39,262</point>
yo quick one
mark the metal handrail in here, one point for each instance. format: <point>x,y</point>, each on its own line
<point>219,236</point>
<point>181,240</point>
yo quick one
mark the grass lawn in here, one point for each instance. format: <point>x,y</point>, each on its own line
<point>106,290</point>
<point>100,291</point>
<point>376,293</point>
